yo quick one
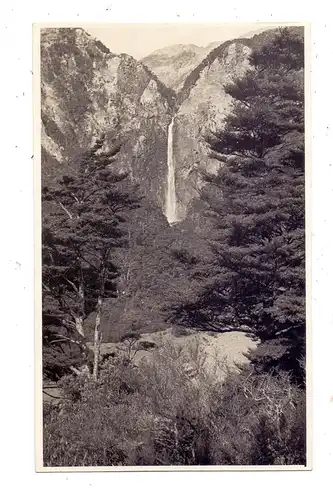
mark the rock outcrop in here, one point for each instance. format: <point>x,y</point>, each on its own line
<point>86,91</point>
<point>203,108</point>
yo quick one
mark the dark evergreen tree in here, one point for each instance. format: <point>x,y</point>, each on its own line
<point>83,222</point>
<point>257,278</point>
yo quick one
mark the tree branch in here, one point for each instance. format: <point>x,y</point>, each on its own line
<point>72,284</point>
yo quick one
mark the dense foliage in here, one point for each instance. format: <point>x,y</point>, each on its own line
<point>257,277</point>
<point>158,413</point>
<point>83,220</point>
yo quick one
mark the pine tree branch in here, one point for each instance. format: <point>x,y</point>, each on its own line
<point>62,338</point>
<point>293,327</point>
<point>46,288</point>
<point>62,303</point>
<point>87,261</point>
<point>75,197</point>
<point>65,209</point>
<point>51,395</point>
<point>61,205</point>
<point>75,370</point>
<point>72,284</point>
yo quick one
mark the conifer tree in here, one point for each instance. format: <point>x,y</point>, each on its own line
<point>257,280</point>
<point>83,219</point>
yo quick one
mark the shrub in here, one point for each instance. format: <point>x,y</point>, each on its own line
<point>171,409</point>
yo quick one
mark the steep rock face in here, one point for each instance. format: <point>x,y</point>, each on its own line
<point>85,91</point>
<point>203,107</point>
<point>172,64</point>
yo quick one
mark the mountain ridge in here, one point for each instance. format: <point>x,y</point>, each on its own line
<point>171,64</point>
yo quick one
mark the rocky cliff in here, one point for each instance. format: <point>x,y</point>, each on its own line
<point>202,106</point>
<point>85,91</point>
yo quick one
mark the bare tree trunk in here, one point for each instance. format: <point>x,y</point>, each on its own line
<point>79,317</point>
<point>175,428</point>
<point>79,326</point>
<point>80,329</point>
<point>97,337</point>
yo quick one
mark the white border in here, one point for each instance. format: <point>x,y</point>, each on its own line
<point>17,257</point>
<point>38,336</point>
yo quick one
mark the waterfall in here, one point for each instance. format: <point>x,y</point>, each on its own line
<point>170,210</point>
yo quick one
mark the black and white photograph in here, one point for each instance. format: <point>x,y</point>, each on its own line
<point>172,179</point>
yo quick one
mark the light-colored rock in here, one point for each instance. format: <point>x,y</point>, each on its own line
<point>216,353</point>
<point>172,64</point>
<point>202,111</point>
<point>88,91</point>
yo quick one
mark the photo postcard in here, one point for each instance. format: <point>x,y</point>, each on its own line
<point>172,184</point>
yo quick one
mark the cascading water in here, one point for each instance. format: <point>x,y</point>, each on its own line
<point>171,209</point>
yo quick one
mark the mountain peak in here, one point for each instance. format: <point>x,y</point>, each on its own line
<point>173,63</point>
<point>174,49</point>
<point>71,37</point>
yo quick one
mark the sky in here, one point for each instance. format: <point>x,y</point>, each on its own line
<point>139,40</point>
